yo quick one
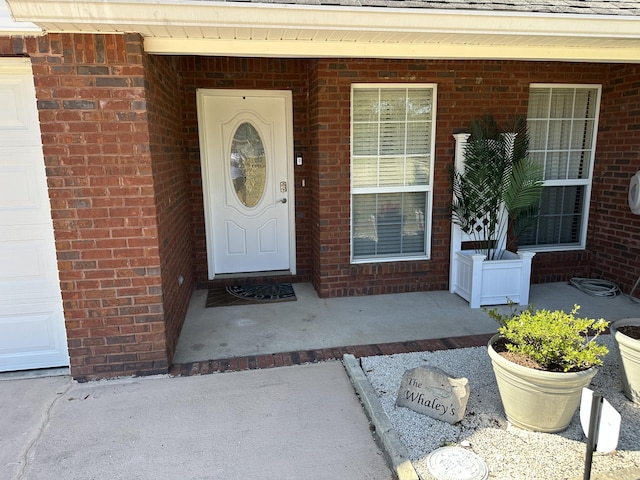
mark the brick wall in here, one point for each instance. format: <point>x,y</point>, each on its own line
<point>162,88</point>
<point>465,90</point>
<point>317,89</point>
<point>247,73</point>
<point>614,235</point>
<point>120,139</point>
<point>91,101</point>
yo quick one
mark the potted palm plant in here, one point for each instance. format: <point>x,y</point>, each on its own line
<point>541,360</point>
<point>496,193</point>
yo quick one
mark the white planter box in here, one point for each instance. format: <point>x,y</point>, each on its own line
<point>491,282</point>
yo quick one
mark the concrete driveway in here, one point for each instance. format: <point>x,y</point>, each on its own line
<point>301,422</point>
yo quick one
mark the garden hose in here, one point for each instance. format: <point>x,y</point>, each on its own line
<point>596,288</point>
<point>602,288</point>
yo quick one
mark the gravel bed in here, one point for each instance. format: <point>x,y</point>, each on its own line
<point>509,452</point>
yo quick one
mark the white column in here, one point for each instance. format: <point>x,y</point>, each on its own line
<point>456,233</point>
<point>525,276</point>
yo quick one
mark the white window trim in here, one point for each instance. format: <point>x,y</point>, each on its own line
<point>586,182</point>
<point>428,189</point>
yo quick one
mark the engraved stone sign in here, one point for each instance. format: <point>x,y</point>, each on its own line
<point>430,391</point>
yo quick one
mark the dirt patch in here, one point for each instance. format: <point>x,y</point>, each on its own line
<point>500,346</point>
<point>632,331</point>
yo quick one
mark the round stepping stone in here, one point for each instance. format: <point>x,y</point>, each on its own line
<point>455,463</point>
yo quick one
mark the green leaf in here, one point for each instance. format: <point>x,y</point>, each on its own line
<point>556,340</point>
<point>500,187</point>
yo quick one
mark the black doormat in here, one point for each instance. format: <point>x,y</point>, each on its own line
<point>250,295</point>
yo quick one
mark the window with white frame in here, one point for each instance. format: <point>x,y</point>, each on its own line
<point>563,123</point>
<point>392,144</point>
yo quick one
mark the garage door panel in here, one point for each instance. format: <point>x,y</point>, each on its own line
<point>29,268</point>
<point>23,186</point>
<point>30,339</point>
<point>19,114</point>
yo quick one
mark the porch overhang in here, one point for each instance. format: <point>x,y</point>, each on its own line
<point>208,27</point>
<point>10,27</point>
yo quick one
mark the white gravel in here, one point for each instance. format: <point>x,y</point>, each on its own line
<point>510,453</point>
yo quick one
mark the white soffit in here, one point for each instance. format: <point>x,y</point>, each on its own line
<point>8,26</point>
<point>260,29</point>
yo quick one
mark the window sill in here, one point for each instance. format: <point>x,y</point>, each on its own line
<point>358,261</point>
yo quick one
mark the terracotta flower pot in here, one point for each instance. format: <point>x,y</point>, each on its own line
<point>537,400</point>
<point>628,350</point>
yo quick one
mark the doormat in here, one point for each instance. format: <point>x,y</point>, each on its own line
<point>250,295</point>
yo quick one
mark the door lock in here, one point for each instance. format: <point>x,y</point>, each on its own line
<point>283,187</point>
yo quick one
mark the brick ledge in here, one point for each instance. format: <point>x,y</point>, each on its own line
<point>301,357</point>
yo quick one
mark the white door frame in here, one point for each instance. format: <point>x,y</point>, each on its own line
<point>207,173</point>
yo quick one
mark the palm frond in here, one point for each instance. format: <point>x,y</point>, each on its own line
<point>500,185</point>
<point>524,187</point>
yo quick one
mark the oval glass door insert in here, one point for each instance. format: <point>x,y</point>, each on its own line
<point>248,165</point>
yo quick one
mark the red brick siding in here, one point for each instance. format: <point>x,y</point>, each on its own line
<point>247,73</point>
<point>614,233</point>
<point>91,101</point>
<point>315,89</point>
<point>171,197</point>
<point>466,89</point>
<point>120,138</point>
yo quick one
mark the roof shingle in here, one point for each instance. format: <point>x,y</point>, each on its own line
<point>570,7</point>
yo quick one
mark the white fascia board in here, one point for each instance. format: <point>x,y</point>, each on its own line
<point>498,35</point>
<point>247,14</point>
<point>311,49</point>
<point>8,26</point>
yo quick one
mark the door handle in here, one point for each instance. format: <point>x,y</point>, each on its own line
<point>283,200</point>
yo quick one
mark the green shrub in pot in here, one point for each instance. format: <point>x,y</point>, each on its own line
<point>556,341</point>
<point>542,360</point>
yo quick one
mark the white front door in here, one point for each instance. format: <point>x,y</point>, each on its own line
<point>32,331</point>
<point>247,170</point>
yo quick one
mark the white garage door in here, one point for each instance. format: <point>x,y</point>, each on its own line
<point>32,332</point>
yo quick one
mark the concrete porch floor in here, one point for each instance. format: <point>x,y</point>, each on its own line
<point>315,324</point>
